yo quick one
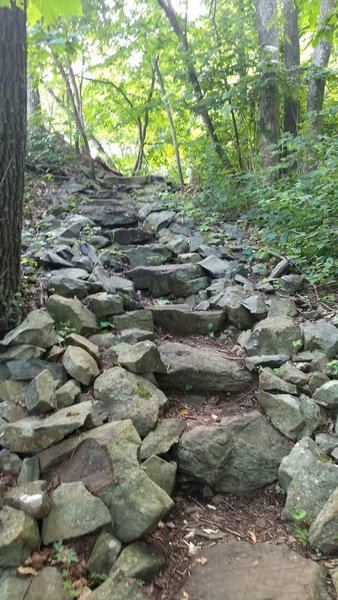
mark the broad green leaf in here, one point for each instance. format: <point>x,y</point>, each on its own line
<point>50,10</point>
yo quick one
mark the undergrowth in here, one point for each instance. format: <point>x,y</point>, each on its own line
<point>293,214</point>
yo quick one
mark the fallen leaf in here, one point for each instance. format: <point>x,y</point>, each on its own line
<point>27,571</point>
<point>202,561</point>
<point>255,563</point>
<point>192,549</point>
<point>214,417</point>
<point>252,536</point>
<point>183,412</point>
<point>185,596</point>
<point>211,506</point>
<point>85,593</point>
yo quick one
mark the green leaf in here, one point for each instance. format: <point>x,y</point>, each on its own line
<point>298,514</point>
<point>50,10</point>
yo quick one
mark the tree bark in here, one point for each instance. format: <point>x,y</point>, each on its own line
<point>269,90</point>
<point>200,107</point>
<point>320,60</point>
<point>170,120</point>
<point>291,63</point>
<point>143,129</point>
<point>13,111</point>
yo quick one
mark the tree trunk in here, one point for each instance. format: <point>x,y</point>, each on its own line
<point>320,60</point>
<point>170,120</point>
<point>269,96</point>
<point>200,107</point>
<point>13,110</point>
<point>144,127</point>
<point>291,62</point>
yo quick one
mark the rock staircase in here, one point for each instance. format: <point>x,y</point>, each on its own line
<point>142,311</point>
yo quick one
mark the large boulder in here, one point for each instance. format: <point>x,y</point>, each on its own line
<point>32,434</point>
<point>129,396</point>
<point>320,335</point>
<point>323,531</point>
<point>36,330</point>
<point>71,312</point>
<point>74,512</point>
<point>241,571</point>
<point>19,536</point>
<point>240,454</point>
<point>179,280</point>
<point>80,365</point>
<point>308,477</point>
<point>231,301</point>
<point>200,369</point>
<point>181,319</point>
<point>277,335</point>
<point>294,417</point>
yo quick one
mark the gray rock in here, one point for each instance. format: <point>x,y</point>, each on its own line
<point>10,462</point>
<point>136,503</point>
<point>179,318</point>
<point>240,454</point>
<point>19,536</point>
<point>323,531</point>
<point>131,235</point>
<point>36,330</point>
<point>120,586</point>
<point>217,267</point>
<point>72,312</point>
<point>128,336</point>
<point>152,255</point>
<point>74,339</point>
<point>282,307</point>
<point>80,365</point>
<point>239,570</point>
<point>47,584</point>
<point>30,470</point>
<point>256,306</point>
<point>74,512</point>
<point>112,284</point>
<point>293,375</point>
<point>39,395</point>
<point>105,305</point>
<point>231,301</point>
<point>179,280</point>
<point>316,380</point>
<point>67,394</point>
<point>265,360</point>
<point>270,382</point>
<point>12,391</point>
<point>292,283</point>
<point>72,273</point>
<point>142,357</point>
<point>321,335</point>
<point>326,442</point>
<point>31,498</point>
<point>130,397</point>
<point>155,221</point>
<point>294,417</point>
<point>136,319</point>
<point>274,336</point>
<point>104,554</point>
<point>65,286</point>
<point>21,352</point>
<point>328,395</point>
<point>140,560</point>
<point>90,463</point>
<point>32,434</point>
<point>27,370</point>
<point>308,479</point>
<point>201,369</point>
<point>108,214</point>
<point>165,435</point>
<point>160,471</point>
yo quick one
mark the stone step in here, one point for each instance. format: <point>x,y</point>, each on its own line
<point>181,319</point>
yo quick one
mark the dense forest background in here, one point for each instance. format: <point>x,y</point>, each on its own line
<point>237,97</point>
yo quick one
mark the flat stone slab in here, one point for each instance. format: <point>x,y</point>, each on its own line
<point>202,369</point>
<point>181,319</point>
<point>179,280</point>
<point>242,571</point>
